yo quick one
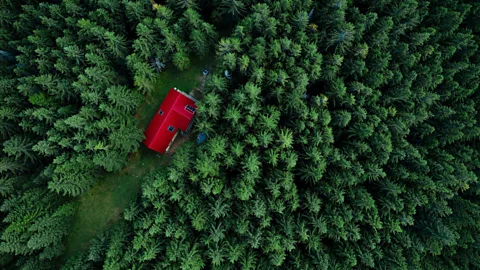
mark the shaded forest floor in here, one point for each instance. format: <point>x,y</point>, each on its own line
<point>103,205</point>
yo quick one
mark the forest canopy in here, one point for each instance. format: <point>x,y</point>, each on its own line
<point>340,134</point>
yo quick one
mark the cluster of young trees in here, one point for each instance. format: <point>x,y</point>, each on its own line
<point>168,37</point>
<point>346,138</point>
<point>69,94</point>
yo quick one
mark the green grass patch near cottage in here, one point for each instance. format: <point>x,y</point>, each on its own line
<point>103,205</point>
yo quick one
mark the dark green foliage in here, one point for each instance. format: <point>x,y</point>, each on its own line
<point>71,95</point>
<point>345,134</point>
<point>36,224</point>
<point>167,38</point>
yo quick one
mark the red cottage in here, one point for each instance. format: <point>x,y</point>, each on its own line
<point>175,113</point>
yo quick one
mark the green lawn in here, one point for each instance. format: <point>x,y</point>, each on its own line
<point>103,205</point>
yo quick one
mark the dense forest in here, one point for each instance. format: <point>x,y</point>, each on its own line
<point>346,134</point>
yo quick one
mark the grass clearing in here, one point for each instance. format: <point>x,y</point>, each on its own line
<point>103,205</point>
